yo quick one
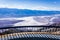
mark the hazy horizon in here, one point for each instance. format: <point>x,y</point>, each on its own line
<point>31,4</point>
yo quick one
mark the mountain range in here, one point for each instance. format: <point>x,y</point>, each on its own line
<point>30,21</point>
<point>26,17</point>
<point>11,12</point>
<point>39,20</point>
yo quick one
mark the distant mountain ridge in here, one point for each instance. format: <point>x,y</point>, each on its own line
<point>31,20</point>
<point>39,20</point>
<point>10,12</point>
<point>36,17</point>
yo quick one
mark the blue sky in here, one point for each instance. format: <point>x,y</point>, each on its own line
<point>31,4</point>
